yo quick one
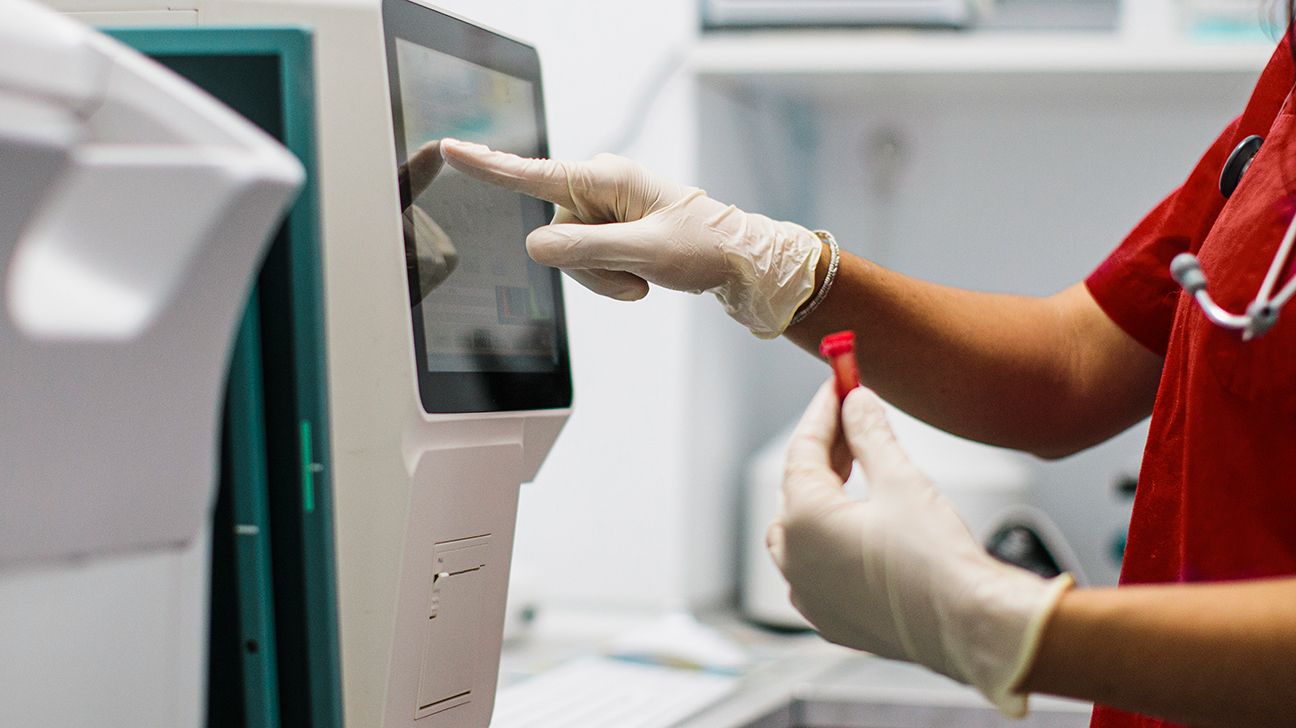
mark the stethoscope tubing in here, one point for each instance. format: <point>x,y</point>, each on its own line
<point>1262,313</point>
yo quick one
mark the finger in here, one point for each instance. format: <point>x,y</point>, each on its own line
<point>424,166</point>
<point>809,470</point>
<point>563,216</point>
<point>842,459</point>
<point>871,440</point>
<point>616,284</point>
<point>403,186</point>
<point>547,179</point>
<point>619,246</point>
<point>776,544</point>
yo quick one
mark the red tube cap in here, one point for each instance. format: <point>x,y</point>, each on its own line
<point>842,342</point>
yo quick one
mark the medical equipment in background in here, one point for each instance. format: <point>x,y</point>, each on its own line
<point>1045,15</point>
<point>134,212</point>
<point>1262,313</point>
<point>1235,20</point>
<point>989,487</point>
<point>435,422</point>
<point>274,652</point>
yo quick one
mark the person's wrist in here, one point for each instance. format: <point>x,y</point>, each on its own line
<point>820,274</point>
<point>773,274</point>
<point>825,275</point>
<point>998,631</point>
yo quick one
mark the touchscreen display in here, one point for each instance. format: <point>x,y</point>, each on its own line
<point>482,304</point>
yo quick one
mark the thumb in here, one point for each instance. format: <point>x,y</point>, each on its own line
<point>872,441</point>
<point>547,179</point>
<point>809,476</point>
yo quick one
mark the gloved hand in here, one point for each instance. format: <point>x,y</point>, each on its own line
<point>898,574</point>
<point>619,228</point>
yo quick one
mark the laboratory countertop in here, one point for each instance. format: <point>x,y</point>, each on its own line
<point>798,681</point>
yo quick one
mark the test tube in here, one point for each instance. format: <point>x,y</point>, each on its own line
<point>839,348</point>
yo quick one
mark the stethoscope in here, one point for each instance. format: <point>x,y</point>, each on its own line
<point>1262,313</point>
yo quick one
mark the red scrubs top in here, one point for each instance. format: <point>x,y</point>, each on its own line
<point>1216,496</point>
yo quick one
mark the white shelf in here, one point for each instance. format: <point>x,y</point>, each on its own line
<point>850,62</point>
<point>866,51</point>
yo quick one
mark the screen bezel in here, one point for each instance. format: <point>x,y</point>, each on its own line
<point>444,392</point>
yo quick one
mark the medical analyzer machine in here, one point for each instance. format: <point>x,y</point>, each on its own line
<point>449,378</point>
<point>134,213</point>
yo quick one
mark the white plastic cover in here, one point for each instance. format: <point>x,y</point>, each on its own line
<point>134,212</point>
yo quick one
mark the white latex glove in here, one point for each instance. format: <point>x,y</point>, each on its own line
<point>620,227</point>
<point>899,574</point>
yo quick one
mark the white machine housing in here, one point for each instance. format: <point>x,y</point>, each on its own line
<point>988,487</point>
<point>134,212</point>
<point>424,505</point>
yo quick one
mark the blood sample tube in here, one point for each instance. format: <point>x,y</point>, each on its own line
<point>839,348</point>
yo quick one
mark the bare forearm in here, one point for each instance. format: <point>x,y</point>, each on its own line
<point>1047,375</point>
<point>1207,654</point>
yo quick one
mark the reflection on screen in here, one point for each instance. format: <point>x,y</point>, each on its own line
<point>485,305</point>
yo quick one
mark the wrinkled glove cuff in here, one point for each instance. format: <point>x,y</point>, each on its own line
<point>1004,687</point>
<point>774,277</point>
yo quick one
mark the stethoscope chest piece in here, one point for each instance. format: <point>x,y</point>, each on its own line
<point>1238,163</point>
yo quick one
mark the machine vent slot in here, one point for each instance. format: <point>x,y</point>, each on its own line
<point>432,707</point>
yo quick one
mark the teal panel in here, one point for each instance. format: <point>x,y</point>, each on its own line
<point>244,524</point>
<point>266,73</point>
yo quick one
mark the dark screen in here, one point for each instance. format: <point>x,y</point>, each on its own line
<point>487,320</point>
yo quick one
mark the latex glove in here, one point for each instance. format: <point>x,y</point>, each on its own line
<point>899,574</point>
<point>620,227</point>
<point>430,255</point>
